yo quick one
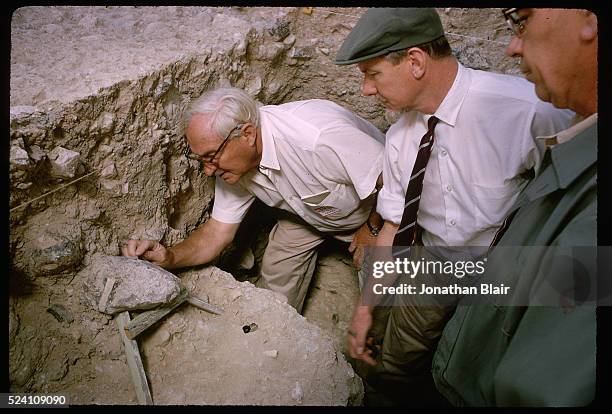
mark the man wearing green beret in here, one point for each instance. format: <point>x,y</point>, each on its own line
<point>462,148</point>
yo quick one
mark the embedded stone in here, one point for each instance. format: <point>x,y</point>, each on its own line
<point>23,186</point>
<point>280,30</point>
<point>52,248</point>
<point>304,53</point>
<point>60,313</point>
<point>37,154</point>
<point>269,51</point>
<point>104,123</point>
<point>64,162</point>
<point>253,88</point>
<point>289,41</point>
<point>138,284</point>
<point>19,157</point>
<point>109,171</point>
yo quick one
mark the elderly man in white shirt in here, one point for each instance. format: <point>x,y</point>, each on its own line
<point>314,160</point>
<point>483,150</point>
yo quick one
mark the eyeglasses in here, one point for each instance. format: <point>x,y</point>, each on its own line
<point>515,20</point>
<point>211,159</point>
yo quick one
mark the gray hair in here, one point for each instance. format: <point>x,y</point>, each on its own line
<point>226,107</point>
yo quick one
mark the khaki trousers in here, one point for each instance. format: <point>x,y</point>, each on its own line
<point>409,331</point>
<point>290,259</point>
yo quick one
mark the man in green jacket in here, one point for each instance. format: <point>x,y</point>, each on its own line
<point>538,355</point>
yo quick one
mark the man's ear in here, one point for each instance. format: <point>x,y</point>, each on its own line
<point>250,133</point>
<point>418,60</point>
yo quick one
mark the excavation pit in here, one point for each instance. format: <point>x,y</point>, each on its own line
<point>97,94</point>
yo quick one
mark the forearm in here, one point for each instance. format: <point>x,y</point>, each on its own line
<point>382,252</point>
<point>203,245</point>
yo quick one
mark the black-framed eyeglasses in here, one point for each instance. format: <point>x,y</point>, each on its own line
<point>211,159</point>
<point>515,21</point>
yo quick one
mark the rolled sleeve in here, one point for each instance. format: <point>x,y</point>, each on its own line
<point>390,206</point>
<point>232,202</point>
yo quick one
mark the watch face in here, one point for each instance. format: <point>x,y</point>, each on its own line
<point>374,230</point>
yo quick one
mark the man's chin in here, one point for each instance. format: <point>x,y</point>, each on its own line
<point>230,178</point>
<point>542,93</point>
<point>392,115</point>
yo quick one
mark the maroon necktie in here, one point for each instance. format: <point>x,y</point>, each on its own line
<point>406,234</point>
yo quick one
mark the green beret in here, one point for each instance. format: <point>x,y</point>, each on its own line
<point>384,30</point>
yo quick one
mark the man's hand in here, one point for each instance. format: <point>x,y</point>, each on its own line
<point>150,250</point>
<point>362,238</point>
<point>357,336</point>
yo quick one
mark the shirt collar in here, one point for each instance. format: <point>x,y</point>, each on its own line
<point>577,153</point>
<point>268,150</point>
<point>448,110</point>
<point>566,135</point>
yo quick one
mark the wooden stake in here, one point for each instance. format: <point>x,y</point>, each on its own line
<point>205,306</point>
<point>108,288</point>
<point>139,377</point>
<point>146,319</point>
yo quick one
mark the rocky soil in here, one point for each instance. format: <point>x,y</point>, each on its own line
<point>97,93</point>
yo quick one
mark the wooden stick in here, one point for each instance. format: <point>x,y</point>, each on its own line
<point>205,306</point>
<point>146,319</point>
<point>139,377</point>
<point>108,287</point>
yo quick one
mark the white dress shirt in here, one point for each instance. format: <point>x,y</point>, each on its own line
<point>484,141</point>
<point>319,161</point>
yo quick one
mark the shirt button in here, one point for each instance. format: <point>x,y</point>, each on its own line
<point>449,188</point>
<point>443,152</point>
<point>452,222</point>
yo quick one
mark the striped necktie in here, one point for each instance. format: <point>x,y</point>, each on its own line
<point>406,234</point>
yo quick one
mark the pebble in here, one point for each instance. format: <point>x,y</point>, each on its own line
<point>23,186</point>
<point>273,353</point>
<point>110,171</point>
<point>289,40</point>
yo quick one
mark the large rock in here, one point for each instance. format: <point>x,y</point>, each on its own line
<point>138,284</point>
<point>51,245</point>
<point>194,357</point>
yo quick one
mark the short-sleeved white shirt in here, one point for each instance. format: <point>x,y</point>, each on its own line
<point>484,141</point>
<point>319,161</point>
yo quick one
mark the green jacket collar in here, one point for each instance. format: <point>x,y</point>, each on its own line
<point>562,164</point>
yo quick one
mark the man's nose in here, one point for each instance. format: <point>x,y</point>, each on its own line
<point>368,88</point>
<point>515,47</point>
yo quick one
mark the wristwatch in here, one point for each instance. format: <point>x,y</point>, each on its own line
<point>374,230</point>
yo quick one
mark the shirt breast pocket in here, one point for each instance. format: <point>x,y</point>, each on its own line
<point>492,204</point>
<point>335,204</point>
